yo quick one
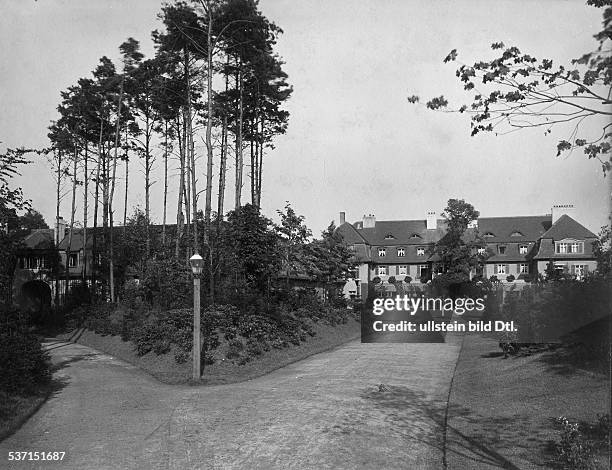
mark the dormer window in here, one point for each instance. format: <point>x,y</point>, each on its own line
<point>389,237</point>
<point>523,249</point>
<point>401,252</point>
<point>501,249</point>
<point>573,247</point>
<point>382,252</point>
<point>415,236</point>
<point>482,251</point>
<point>516,234</point>
<point>420,251</point>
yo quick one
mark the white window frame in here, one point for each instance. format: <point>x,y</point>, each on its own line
<point>500,269</point>
<point>561,248</point>
<point>501,249</point>
<point>401,252</point>
<point>76,258</point>
<point>380,268</point>
<point>582,269</point>
<point>524,268</point>
<point>402,270</point>
<point>482,251</point>
<point>420,251</point>
<point>523,249</point>
<point>382,252</point>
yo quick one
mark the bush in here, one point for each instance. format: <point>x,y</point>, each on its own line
<point>574,451</point>
<point>24,366</point>
<point>173,329</point>
<point>510,278</point>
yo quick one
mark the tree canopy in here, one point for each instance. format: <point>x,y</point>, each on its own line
<point>516,90</point>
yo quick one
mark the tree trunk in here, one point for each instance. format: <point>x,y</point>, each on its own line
<point>165,183</point>
<point>112,192</point>
<point>58,197</point>
<point>72,212</point>
<point>239,160</point>
<point>179,211</point>
<point>127,179</point>
<point>85,199</point>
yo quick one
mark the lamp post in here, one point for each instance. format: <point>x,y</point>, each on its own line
<point>197,263</point>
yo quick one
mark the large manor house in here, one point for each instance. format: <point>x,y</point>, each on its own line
<point>517,248</point>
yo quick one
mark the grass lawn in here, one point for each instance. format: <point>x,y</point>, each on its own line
<point>165,369</point>
<point>16,409</point>
<point>502,410</point>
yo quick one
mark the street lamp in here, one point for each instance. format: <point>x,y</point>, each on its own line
<point>197,263</point>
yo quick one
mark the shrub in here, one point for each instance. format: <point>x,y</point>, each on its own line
<point>407,279</point>
<point>573,450</point>
<point>24,366</point>
<point>235,347</point>
<point>510,278</point>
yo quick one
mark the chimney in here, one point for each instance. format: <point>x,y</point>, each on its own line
<point>60,230</point>
<point>342,218</point>
<point>369,221</point>
<point>432,222</point>
<point>560,209</point>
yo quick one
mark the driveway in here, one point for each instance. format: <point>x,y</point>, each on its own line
<point>327,411</point>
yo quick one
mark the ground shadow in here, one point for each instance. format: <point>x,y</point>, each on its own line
<point>426,420</point>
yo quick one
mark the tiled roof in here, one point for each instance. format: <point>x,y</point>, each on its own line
<point>566,227</point>
<point>513,229</point>
<point>350,234</point>
<point>404,232</point>
<point>40,239</point>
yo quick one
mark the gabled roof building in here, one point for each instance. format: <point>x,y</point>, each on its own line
<point>516,247</point>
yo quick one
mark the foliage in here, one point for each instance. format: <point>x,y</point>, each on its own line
<point>547,312</point>
<point>167,283</point>
<point>574,451</point>
<point>24,366</point>
<point>515,90</point>
<point>456,251</point>
<point>602,249</point>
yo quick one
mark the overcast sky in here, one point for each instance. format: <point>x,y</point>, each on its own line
<point>353,143</point>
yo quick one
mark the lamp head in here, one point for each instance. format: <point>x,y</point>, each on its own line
<point>197,264</point>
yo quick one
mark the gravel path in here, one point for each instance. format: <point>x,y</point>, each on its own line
<point>327,411</point>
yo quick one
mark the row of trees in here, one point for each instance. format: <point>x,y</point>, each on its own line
<point>216,78</point>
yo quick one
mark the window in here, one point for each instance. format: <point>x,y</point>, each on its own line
<point>381,270</point>
<point>501,249</point>
<point>402,270</point>
<point>579,270</point>
<point>489,235</point>
<point>389,236</point>
<point>500,269</point>
<point>576,247</point>
<point>382,252</point>
<point>401,252</point>
<point>561,248</point>
<point>73,260</point>
<point>482,251</point>
<point>523,249</point>
<point>415,236</point>
<point>423,270</point>
<point>524,268</point>
<point>420,251</point>
<point>516,234</point>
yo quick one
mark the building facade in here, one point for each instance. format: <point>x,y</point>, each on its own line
<point>517,248</point>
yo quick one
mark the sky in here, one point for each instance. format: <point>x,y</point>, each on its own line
<point>353,143</point>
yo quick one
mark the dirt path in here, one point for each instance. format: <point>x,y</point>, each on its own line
<point>323,412</point>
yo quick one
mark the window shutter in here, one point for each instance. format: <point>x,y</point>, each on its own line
<point>507,269</point>
<point>586,269</point>
<point>573,269</point>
